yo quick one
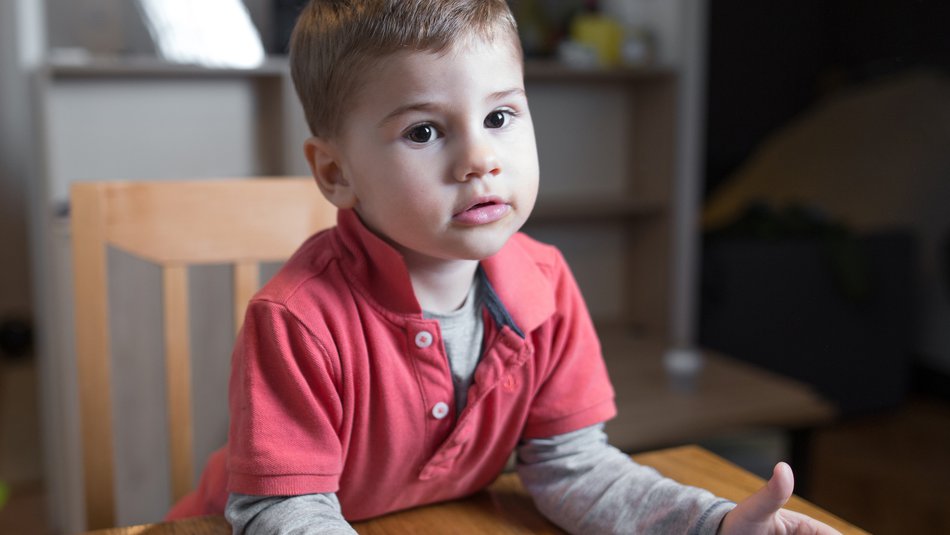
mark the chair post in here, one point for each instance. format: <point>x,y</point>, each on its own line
<point>93,353</point>
<point>178,377</point>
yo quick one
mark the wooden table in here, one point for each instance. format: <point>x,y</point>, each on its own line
<point>506,509</point>
<point>729,396</point>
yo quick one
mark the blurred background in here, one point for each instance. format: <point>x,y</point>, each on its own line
<point>782,170</point>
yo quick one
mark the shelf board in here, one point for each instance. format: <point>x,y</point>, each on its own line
<point>64,65</point>
<point>555,71</point>
<point>67,64</point>
<point>729,396</point>
<point>593,209</point>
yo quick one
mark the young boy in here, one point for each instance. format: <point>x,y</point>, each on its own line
<point>398,359</point>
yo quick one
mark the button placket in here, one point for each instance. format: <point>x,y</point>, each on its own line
<point>424,339</point>
<point>501,368</point>
<point>434,381</point>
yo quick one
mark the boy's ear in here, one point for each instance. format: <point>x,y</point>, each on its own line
<point>323,156</point>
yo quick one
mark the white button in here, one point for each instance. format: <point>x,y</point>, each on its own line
<point>423,339</point>
<point>440,410</point>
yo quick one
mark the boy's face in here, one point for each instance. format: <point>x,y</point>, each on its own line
<point>438,152</point>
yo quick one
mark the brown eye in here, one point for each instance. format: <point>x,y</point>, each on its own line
<point>424,133</point>
<point>496,119</point>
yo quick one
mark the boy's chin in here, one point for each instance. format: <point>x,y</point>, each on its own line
<point>480,243</point>
<point>484,249</point>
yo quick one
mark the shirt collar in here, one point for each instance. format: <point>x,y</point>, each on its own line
<point>525,293</point>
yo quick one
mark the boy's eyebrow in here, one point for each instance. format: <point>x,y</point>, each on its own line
<point>500,95</point>
<point>429,106</point>
<point>415,106</point>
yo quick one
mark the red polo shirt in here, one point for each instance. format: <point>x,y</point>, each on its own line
<point>340,385</point>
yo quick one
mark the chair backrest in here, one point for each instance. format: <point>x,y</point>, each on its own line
<point>173,224</point>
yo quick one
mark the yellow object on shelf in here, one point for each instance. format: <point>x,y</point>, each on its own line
<point>603,35</point>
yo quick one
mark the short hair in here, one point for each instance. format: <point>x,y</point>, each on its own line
<point>335,42</point>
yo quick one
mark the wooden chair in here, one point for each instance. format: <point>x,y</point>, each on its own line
<point>173,224</point>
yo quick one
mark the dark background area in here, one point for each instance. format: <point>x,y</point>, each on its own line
<point>769,61</point>
<point>776,303</point>
<point>770,294</point>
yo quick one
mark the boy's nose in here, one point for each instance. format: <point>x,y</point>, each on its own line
<point>477,160</point>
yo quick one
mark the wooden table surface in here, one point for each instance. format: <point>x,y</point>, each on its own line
<point>506,509</point>
<point>729,396</point>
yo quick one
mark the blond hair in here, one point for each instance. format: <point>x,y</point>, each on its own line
<point>335,42</point>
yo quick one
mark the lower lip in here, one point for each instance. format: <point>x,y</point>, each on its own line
<point>482,215</point>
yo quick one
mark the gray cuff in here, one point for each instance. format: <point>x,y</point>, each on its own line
<point>308,514</point>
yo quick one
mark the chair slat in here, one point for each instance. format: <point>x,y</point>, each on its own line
<point>247,276</point>
<point>178,377</point>
<point>215,221</point>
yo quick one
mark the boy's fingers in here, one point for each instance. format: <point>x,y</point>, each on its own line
<point>783,482</point>
<point>770,498</point>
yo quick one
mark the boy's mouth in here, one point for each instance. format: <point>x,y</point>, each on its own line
<point>480,202</point>
<point>482,210</point>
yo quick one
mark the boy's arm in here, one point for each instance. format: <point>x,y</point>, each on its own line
<point>585,485</point>
<point>310,514</point>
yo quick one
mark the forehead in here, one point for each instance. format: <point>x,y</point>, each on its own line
<point>471,68</point>
<point>475,60</point>
<point>471,58</point>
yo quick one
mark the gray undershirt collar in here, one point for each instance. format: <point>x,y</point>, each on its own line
<point>462,332</point>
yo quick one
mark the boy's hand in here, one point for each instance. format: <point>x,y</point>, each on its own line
<point>762,512</point>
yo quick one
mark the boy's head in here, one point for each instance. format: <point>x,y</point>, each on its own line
<point>336,42</point>
<point>421,122</point>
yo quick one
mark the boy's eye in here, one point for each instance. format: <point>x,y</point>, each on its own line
<point>497,119</point>
<point>423,133</point>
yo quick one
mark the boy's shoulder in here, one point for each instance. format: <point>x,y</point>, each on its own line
<point>306,269</point>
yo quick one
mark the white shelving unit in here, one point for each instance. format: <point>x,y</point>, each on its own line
<point>607,147</point>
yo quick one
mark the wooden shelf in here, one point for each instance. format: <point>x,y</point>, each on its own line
<point>611,207</point>
<point>593,209</point>
<point>65,65</point>
<point>554,71</point>
<point>729,396</point>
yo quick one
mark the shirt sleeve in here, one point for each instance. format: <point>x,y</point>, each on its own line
<point>584,485</point>
<point>575,390</point>
<point>285,408</point>
<point>308,514</point>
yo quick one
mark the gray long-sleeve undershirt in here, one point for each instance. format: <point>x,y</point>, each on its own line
<point>584,485</point>
<point>577,480</point>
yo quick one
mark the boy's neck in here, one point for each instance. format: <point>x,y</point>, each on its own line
<point>441,286</point>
